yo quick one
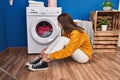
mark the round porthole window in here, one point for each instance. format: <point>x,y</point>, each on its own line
<point>44,29</point>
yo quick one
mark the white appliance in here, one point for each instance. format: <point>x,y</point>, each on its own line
<point>36,4</point>
<point>42,27</point>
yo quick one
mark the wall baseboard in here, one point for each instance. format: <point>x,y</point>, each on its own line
<point>17,48</point>
<point>5,50</point>
<point>13,48</point>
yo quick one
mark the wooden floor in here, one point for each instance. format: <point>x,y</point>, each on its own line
<point>104,66</point>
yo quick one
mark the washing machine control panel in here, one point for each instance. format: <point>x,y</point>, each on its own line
<point>33,11</point>
<point>43,11</point>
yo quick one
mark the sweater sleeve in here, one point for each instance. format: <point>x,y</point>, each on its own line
<point>76,40</point>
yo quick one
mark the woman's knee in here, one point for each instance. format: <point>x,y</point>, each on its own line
<point>80,57</point>
<point>65,39</point>
<point>79,60</point>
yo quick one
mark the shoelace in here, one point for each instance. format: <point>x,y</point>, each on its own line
<point>39,63</point>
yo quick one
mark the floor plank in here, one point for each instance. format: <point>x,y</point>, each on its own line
<point>103,66</point>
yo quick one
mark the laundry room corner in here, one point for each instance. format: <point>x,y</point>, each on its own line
<point>59,40</point>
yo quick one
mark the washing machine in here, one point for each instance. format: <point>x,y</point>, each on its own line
<point>42,27</point>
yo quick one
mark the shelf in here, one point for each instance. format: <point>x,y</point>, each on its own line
<point>112,16</point>
<point>107,33</point>
<point>106,41</point>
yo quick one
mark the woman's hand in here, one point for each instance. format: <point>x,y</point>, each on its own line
<point>42,52</point>
<point>45,57</point>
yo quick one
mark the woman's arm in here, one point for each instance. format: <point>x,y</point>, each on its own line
<point>76,40</point>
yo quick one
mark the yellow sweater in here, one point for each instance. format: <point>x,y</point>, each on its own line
<point>77,40</point>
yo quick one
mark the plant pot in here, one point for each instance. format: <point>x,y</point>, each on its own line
<point>107,8</point>
<point>104,27</point>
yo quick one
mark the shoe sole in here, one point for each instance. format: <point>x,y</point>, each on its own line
<point>27,64</point>
<point>37,69</point>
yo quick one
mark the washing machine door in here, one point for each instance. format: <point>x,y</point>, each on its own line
<point>44,30</point>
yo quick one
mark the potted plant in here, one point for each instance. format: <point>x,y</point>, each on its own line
<point>104,23</point>
<point>107,5</point>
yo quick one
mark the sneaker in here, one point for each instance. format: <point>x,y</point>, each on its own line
<point>39,66</point>
<point>34,61</point>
